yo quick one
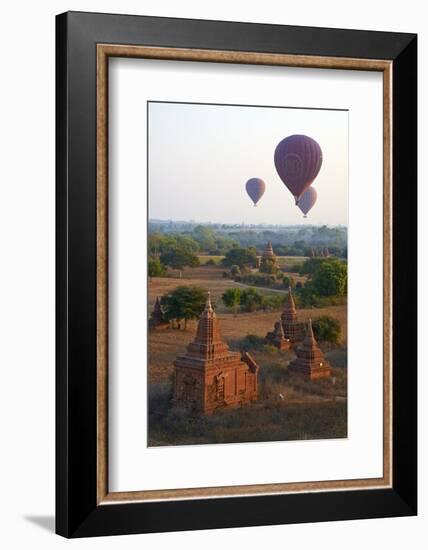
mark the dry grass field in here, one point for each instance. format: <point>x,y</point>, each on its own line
<point>290,260</point>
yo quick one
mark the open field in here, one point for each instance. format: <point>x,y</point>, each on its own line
<point>290,260</point>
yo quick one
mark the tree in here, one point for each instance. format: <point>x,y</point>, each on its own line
<point>243,257</point>
<point>156,268</point>
<point>268,265</point>
<point>232,298</point>
<point>155,241</point>
<point>251,299</point>
<point>184,302</point>
<point>160,244</point>
<point>330,278</point>
<point>205,237</point>
<point>178,259</point>
<point>310,266</point>
<point>326,329</point>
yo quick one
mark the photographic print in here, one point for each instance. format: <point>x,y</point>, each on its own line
<point>247,273</point>
<point>226,239</point>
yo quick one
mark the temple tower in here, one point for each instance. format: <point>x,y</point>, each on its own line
<point>293,329</point>
<point>310,362</point>
<point>268,262</point>
<point>277,338</point>
<point>157,319</point>
<point>209,375</point>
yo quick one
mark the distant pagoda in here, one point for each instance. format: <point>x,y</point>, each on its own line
<point>209,375</point>
<point>157,319</point>
<point>288,330</point>
<point>277,338</point>
<point>293,329</point>
<point>268,261</point>
<point>310,363</point>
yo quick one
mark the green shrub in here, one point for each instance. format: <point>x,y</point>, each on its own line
<point>232,298</point>
<point>326,329</point>
<point>259,279</point>
<point>272,302</point>
<point>252,342</point>
<point>156,268</point>
<point>251,300</point>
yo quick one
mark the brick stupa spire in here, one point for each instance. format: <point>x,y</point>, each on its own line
<point>268,252</point>
<point>209,375</point>
<point>207,344</point>
<point>277,338</point>
<point>293,330</point>
<point>310,362</point>
<point>157,319</point>
<point>268,260</point>
<point>288,330</point>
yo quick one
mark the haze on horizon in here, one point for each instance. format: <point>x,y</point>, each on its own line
<point>200,157</point>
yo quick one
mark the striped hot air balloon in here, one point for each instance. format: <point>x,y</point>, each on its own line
<point>307,200</point>
<point>255,188</point>
<point>298,160</point>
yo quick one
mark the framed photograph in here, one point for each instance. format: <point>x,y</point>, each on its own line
<point>236,274</point>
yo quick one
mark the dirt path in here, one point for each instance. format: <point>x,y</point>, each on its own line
<point>262,288</point>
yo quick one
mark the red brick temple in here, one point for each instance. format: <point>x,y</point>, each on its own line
<point>310,362</point>
<point>268,261</point>
<point>210,376</point>
<point>157,320</point>
<point>277,338</point>
<point>293,329</point>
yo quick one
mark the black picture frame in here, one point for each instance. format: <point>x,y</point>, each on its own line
<point>77,512</point>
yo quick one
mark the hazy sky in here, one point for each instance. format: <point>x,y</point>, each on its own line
<point>200,157</point>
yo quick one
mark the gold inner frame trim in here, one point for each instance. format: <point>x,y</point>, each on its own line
<point>104,51</point>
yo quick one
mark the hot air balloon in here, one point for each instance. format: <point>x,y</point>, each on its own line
<point>255,188</point>
<point>307,200</point>
<point>298,160</point>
